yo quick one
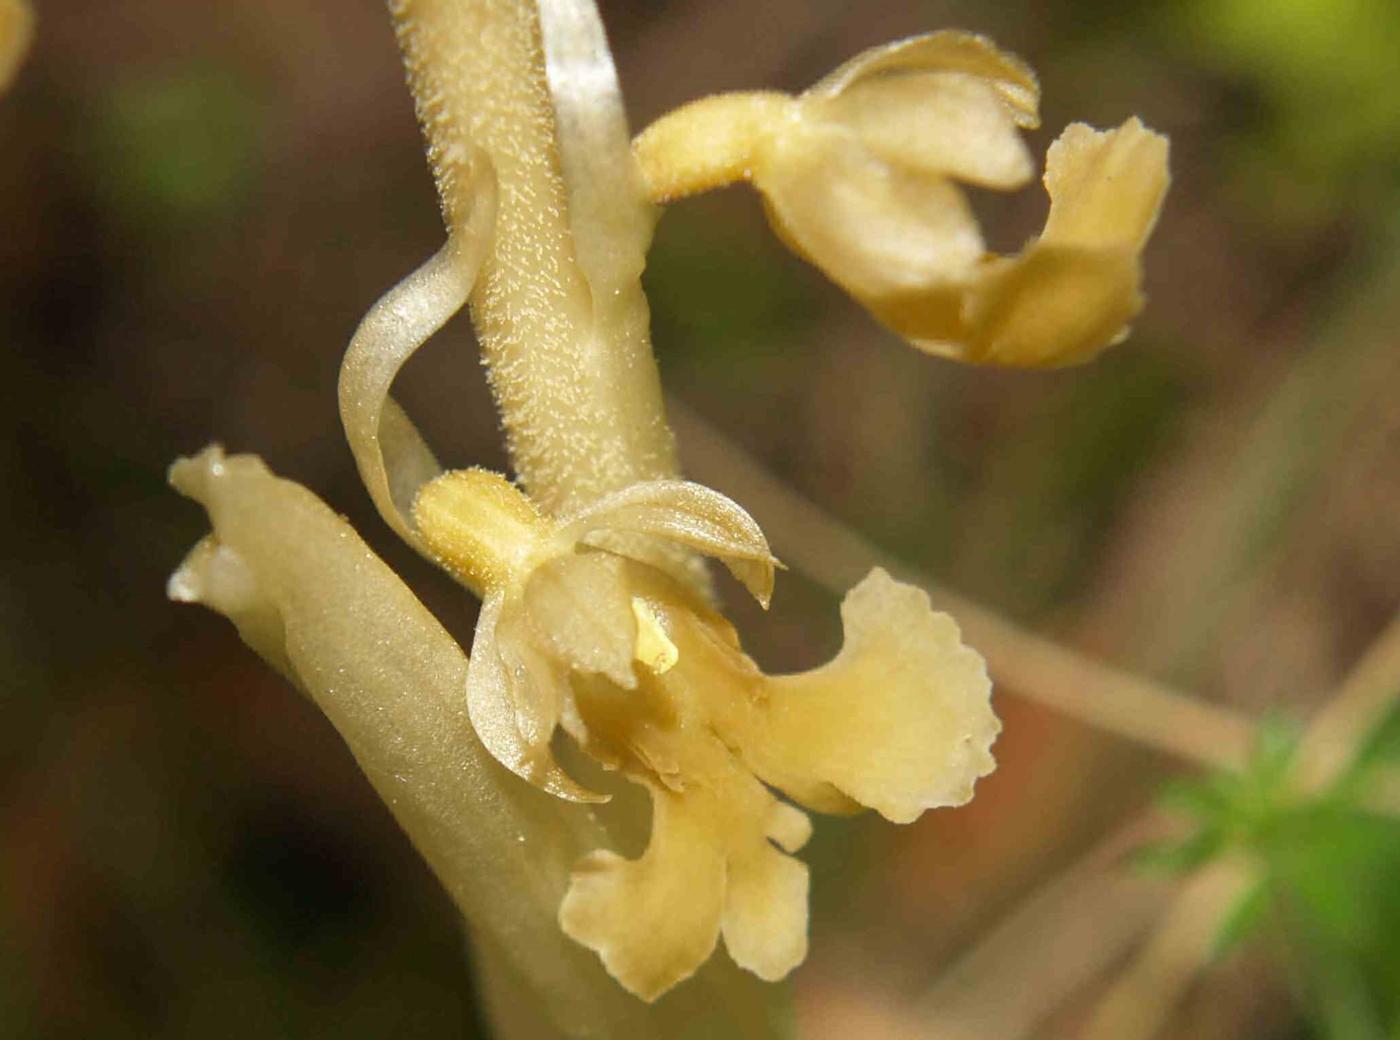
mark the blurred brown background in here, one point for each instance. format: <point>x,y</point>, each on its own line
<point>197,204</point>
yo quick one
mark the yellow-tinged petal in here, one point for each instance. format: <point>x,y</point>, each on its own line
<point>875,228</point>
<point>947,123</point>
<point>1050,306</point>
<point>580,607</point>
<point>900,720</point>
<point>656,919</point>
<point>689,514</point>
<point>1106,186</point>
<point>765,911</point>
<point>946,51</point>
<point>709,868</point>
<point>1073,292</point>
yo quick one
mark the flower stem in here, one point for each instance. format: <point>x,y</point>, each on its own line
<point>566,345</point>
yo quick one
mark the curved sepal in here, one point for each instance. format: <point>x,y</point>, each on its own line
<point>689,514</point>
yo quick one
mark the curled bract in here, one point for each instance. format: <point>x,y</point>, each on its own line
<point>859,175</point>
<point>577,633</point>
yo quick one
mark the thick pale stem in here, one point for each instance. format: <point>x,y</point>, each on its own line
<point>567,349</point>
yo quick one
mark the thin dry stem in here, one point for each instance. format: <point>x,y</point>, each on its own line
<point>1055,941</point>
<point>1359,705</point>
<point>1142,998</point>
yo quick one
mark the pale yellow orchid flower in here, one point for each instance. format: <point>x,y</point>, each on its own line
<point>858,175</point>
<point>646,677</point>
<point>596,624</point>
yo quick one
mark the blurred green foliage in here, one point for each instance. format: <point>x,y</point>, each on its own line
<point>1325,73</point>
<point>178,149</point>
<point>1326,866</point>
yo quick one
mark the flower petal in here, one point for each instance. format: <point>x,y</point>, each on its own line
<point>946,51</point>
<point>495,704</point>
<point>900,720</point>
<point>656,919</point>
<point>944,123</point>
<point>765,911</point>
<point>1073,291</point>
<point>874,228</point>
<point>1050,306</point>
<point>579,605</point>
<point>1106,186</point>
<point>689,514</point>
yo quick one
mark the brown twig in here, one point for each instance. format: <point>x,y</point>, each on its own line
<point>1055,941</point>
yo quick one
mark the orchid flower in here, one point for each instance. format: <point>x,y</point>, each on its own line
<point>858,176</point>
<point>598,625</point>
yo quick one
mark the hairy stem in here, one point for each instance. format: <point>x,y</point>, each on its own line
<point>563,330</point>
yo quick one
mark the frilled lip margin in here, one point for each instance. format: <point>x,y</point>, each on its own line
<point>900,721</point>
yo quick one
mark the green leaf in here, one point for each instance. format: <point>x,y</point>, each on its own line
<point>1240,920</point>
